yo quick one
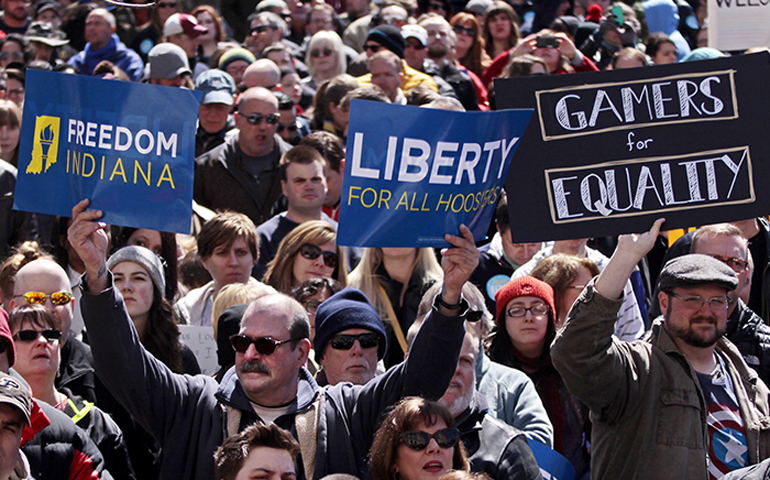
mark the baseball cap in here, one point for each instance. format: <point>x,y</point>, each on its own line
<point>415,31</point>
<point>183,23</point>
<point>167,61</point>
<point>15,394</point>
<point>217,87</point>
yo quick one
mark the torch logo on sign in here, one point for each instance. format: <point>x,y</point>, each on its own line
<point>46,144</point>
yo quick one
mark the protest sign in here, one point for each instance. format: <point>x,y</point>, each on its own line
<point>203,344</point>
<point>738,24</point>
<point>413,174</point>
<point>127,147</point>
<point>609,152</point>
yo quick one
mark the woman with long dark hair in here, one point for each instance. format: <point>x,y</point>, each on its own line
<point>525,329</point>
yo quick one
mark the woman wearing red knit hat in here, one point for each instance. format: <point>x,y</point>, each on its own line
<point>525,329</point>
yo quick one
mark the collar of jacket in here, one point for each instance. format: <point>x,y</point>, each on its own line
<point>470,420</point>
<point>230,391</point>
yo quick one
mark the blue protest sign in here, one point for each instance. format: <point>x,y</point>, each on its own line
<point>413,174</point>
<point>127,147</point>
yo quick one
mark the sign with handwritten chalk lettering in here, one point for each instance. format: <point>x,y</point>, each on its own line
<point>609,152</point>
<point>413,174</point>
<point>127,147</point>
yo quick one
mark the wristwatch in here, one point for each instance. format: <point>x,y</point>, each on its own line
<point>462,306</point>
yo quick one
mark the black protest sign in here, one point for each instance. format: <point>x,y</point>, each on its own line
<point>609,152</point>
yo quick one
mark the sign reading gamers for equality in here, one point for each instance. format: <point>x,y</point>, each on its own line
<point>127,147</point>
<point>609,152</point>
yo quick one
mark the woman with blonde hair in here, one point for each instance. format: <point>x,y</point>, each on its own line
<point>235,294</point>
<point>307,251</point>
<point>325,58</point>
<point>394,280</point>
<point>417,441</point>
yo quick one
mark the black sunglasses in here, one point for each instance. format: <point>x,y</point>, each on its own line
<point>311,252</point>
<point>374,48</point>
<point>419,440</point>
<point>49,334</point>
<point>264,345</point>
<point>345,342</point>
<point>471,32</point>
<point>474,315</point>
<point>292,127</point>
<point>256,118</point>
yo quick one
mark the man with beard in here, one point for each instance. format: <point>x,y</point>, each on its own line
<point>441,42</point>
<point>680,404</point>
<point>15,16</point>
<point>493,446</point>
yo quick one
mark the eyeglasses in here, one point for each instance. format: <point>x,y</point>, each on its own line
<point>312,306</point>
<point>459,29</point>
<point>372,47</point>
<point>57,298</point>
<point>256,118</point>
<point>291,128</point>
<point>436,6</point>
<point>166,5</point>
<point>695,302</point>
<point>736,264</point>
<point>264,345</point>
<point>474,315</point>
<point>260,29</point>
<point>325,52</point>
<point>419,440</point>
<point>345,342</point>
<point>311,252</point>
<point>49,334</point>
<point>13,55</point>
<point>537,310</point>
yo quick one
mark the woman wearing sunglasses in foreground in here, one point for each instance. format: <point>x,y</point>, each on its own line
<point>417,441</point>
<point>38,353</point>
<point>306,252</point>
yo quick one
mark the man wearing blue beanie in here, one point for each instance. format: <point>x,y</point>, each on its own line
<point>350,338</point>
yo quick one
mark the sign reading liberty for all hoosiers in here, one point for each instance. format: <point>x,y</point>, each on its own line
<point>609,152</point>
<point>127,147</point>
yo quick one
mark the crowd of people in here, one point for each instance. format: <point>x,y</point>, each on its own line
<point>621,357</point>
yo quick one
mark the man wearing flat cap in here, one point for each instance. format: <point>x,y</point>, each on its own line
<point>350,339</point>
<point>680,404</point>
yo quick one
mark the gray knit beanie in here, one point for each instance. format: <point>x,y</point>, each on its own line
<point>144,257</point>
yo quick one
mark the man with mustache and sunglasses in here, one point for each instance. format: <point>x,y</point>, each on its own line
<point>242,174</point>
<point>191,416</point>
<point>350,339</point>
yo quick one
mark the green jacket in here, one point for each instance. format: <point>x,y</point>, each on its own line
<point>647,407</point>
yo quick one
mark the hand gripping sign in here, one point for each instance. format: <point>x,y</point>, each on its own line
<point>609,151</point>
<point>413,174</point>
<point>127,147</point>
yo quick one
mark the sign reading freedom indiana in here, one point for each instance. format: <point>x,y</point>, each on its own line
<point>127,147</point>
<point>610,152</point>
<point>413,174</point>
